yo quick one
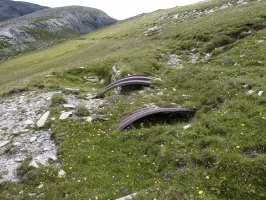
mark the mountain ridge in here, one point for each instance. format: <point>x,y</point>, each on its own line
<point>12,9</point>
<point>43,28</point>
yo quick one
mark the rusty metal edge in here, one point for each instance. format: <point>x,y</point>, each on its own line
<point>134,82</point>
<point>133,77</point>
<point>138,115</point>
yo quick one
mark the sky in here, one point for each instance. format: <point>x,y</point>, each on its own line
<point>119,9</point>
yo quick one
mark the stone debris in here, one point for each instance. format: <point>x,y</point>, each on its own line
<point>72,89</point>
<point>174,61</point>
<point>92,79</point>
<point>131,196</point>
<point>54,158</point>
<point>69,106</point>
<point>153,30</point>
<point>61,173</point>
<point>25,141</point>
<point>40,186</point>
<point>33,139</point>
<point>116,74</point>
<point>29,122</point>
<point>260,93</point>
<point>187,127</point>
<point>4,143</point>
<point>65,115</point>
<point>88,119</point>
<point>33,164</point>
<point>43,119</point>
<point>91,96</point>
<point>250,92</point>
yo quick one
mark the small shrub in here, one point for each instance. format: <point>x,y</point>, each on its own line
<point>58,99</point>
<point>82,111</point>
<point>209,48</point>
<point>222,40</point>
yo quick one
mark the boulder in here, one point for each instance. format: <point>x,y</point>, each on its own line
<point>43,119</point>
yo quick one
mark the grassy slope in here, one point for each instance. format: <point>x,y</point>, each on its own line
<point>223,154</point>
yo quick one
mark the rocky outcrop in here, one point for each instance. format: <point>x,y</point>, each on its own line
<point>11,9</point>
<point>42,28</point>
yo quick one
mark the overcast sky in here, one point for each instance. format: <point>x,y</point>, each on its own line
<point>119,9</point>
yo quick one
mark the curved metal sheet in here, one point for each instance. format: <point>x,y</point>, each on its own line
<point>147,112</point>
<point>133,77</point>
<point>124,83</point>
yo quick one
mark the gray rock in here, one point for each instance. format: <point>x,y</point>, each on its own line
<point>116,73</point>
<point>69,106</point>
<point>4,143</point>
<point>65,115</point>
<point>132,196</point>
<point>43,119</point>
<point>33,164</point>
<point>260,93</point>
<point>92,79</point>
<point>187,127</point>
<point>40,186</point>
<point>33,139</point>
<point>88,119</point>
<point>250,92</point>
<point>72,89</point>
<point>61,173</point>
<point>29,122</point>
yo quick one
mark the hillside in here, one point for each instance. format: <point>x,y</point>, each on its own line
<point>40,29</point>
<point>208,57</point>
<point>12,9</point>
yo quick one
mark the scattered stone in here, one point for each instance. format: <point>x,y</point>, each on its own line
<point>160,93</point>
<point>4,143</point>
<point>91,96</point>
<point>65,115</point>
<point>29,122</point>
<point>88,119</point>
<point>33,139</point>
<point>54,158</point>
<point>259,41</point>
<point>152,30</point>
<point>48,75</point>
<point>61,173</point>
<point>260,93</point>
<point>17,144</point>
<point>250,92</point>
<point>187,126</point>
<point>33,164</point>
<point>14,108</point>
<point>43,119</point>
<point>116,73</point>
<point>132,196</point>
<point>92,79</point>
<point>19,160</point>
<point>69,106</point>
<point>102,118</point>
<point>40,186</point>
<point>72,89</point>
<point>53,119</point>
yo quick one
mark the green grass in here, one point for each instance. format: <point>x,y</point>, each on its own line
<point>223,153</point>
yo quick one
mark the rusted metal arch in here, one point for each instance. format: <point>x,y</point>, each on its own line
<point>131,82</point>
<point>129,78</point>
<point>147,112</point>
